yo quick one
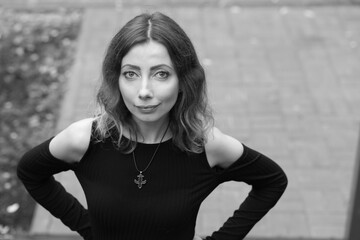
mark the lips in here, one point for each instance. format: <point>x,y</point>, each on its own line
<point>147,108</point>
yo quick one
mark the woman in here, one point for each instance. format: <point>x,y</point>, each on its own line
<point>152,155</point>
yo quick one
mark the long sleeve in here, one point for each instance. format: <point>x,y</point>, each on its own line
<point>36,169</point>
<point>268,183</point>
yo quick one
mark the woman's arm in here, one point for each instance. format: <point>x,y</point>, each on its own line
<point>71,144</point>
<point>37,167</point>
<point>241,163</point>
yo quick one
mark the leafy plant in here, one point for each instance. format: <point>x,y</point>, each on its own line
<point>36,53</point>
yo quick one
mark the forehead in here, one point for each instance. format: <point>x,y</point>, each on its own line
<point>149,53</point>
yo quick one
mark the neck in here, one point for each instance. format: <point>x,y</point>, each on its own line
<point>153,132</point>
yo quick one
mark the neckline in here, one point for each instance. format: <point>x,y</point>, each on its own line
<point>148,144</point>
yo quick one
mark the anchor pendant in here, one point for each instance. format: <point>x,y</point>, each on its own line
<point>140,181</point>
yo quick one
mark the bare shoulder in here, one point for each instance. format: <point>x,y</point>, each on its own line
<point>221,149</point>
<point>71,144</point>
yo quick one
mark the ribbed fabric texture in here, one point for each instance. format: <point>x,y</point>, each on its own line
<point>165,207</point>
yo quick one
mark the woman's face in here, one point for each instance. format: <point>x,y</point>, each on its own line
<point>148,82</point>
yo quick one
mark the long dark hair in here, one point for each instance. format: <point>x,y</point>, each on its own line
<point>190,118</point>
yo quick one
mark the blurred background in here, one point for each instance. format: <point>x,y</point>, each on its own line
<point>283,78</point>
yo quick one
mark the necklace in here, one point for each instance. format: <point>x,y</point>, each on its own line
<point>140,181</point>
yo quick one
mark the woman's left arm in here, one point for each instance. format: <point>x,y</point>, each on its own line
<point>241,163</point>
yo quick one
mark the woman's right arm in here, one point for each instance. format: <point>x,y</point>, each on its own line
<point>37,167</point>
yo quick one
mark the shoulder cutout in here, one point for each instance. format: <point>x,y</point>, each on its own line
<point>71,144</point>
<point>222,150</point>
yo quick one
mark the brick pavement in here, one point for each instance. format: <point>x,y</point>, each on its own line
<point>283,81</point>
<point>171,3</point>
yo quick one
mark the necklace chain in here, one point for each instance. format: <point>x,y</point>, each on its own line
<point>140,181</point>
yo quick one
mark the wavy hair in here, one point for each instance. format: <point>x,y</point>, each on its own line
<point>190,117</point>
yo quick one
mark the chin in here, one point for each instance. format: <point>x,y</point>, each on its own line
<point>159,115</point>
<point>149,119</point>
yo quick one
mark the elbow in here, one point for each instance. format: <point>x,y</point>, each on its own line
<point>284,182</point>
<point>24,169</point>
<point>281,183</point>
<point>20,170</point>
<point>281,180</point>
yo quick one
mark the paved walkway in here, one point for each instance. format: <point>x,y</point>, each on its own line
<point>283,80</point>
<point>172,3</point>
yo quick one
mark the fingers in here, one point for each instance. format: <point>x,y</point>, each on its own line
<point>196,237</point>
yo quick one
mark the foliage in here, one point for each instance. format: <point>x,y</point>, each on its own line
<point>36,53</point>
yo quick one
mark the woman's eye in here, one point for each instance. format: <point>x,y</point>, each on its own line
<point>162,75</point>
<point>130,74</point>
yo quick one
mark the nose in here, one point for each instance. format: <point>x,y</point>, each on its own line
<point>145,91</point>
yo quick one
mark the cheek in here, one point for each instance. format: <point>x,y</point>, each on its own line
<point>125,90</point>
<point>170,91</point>
<point>125,94</point>
<point>171,95</point>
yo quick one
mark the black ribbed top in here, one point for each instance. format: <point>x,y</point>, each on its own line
<point>165,207</point>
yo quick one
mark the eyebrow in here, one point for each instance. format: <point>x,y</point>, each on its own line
<point>151,69</point>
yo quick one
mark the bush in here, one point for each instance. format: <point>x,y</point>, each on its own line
<point>36,53</point>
